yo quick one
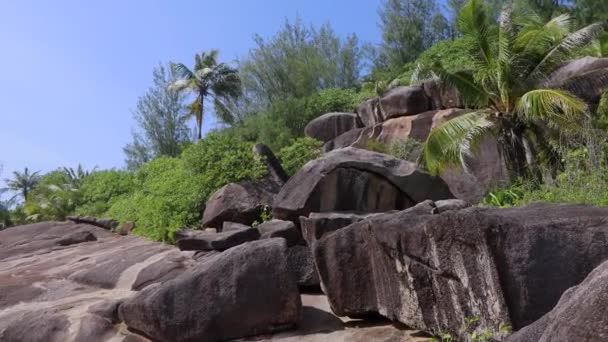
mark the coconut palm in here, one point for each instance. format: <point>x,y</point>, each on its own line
<point>209,80</point>
<point>23,182</point>
<point>509,89</point>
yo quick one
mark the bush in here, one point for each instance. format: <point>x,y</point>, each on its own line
<point>170,192</point>
<point>406,149</point>
<point>285,120</point>
<point>300,152</point>
<point>168,196</point>
<point>221,158</point>
<point>53,198</point>
<point>101,189</point>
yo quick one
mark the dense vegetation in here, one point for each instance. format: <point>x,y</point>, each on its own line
<point>301,72</point>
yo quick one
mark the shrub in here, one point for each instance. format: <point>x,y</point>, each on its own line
<point>168,196</point>
<point>53,198</point>
<point>101,189</point>
<point>406,149</point>
<point>300,152</point>
<point>221,158</point>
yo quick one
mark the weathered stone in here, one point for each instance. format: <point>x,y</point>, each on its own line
<point>369,112</point>
<point>328,126</point>
<point>35,326</point>
<point>416,127</point>
<point>233,226</point>
<point>357,180</point>
<point>192,240</point>
<point>257,296</point>
<point>403,101</point>
<point>580,315</point>
<point>241,202</point>
<point>585,77</point>
<point>431,272</point>
<point>105,223</point>
<point>318,224</point>
<point>450,204</point>
<point>300,263</point>
<point>273,165</point>
<point>281,229</point>
<point>442,96</point>
<point>77,237</point>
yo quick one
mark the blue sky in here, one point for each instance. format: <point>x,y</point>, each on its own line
<point>71,70</point>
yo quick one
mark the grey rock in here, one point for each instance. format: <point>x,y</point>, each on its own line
<point>76,238</point>
<point>357,180</point>
<point>403,101</point>
<point>300,263</point>
<point>233,226</point>
<point>328,126</point>
<point>580,315</point>
<point>369,112</point>
<point>191,240</point>
<point>257,295</point>
<point>281,229</point>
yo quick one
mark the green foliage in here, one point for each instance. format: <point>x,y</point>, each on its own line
<point>512,59</point>
<point>300,152</point>
<point>209,81</point>
<point>101,189</point>
<point>407,32</point>
<point>169,192</point>
<point>452,54</point>
<point>221,158</point>
<point>407,149</point>
<point>285,119</point>
<point>53,198</point>
<point>167,197</point>
<point>298,62</point>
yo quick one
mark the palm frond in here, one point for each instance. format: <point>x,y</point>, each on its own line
<point>182,71</point>
<point>506,38</point>
<point>222,111</point>
<point>474,22</point>
<point>554,104</point>
<point>538,35</point>
<point>451,143</point>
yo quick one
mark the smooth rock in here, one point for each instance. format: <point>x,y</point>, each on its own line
<point>257,296</point>
<point>580,315</point>
<point>357,180</point>
<point>328,126</point>
<point>281,229</point>
<point>192,240</point>
<point>76,238</point>
<point>403,101</point>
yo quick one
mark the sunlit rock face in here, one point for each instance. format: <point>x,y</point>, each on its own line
<point>432,272</point>
<point>357,180</point>
<point>51,290</point>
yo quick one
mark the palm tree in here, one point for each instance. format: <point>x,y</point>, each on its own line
<point>23,182</point>
<point>209,80</point>
<point>508,90</point>
<point>76,176</point>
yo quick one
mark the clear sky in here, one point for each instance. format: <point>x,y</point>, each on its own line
<point>71,70</point>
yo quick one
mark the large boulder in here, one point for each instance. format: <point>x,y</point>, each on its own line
<point>258,295</point>
<point>328,126</point>
<point>580,315</point>
<point>193,240</point>
<point>586,77</point>
<point>243,202</point>
<point>301,264</point>
<point>369,112</point>
<point>353,179</point>
<point>442,96</point>
<point>59,284</point>
<point>433,272</point>
<point>281,229</point>
<point>416,127</point>
<point>403,101</point>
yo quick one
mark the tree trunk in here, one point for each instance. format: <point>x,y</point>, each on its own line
<point>200,120</point>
